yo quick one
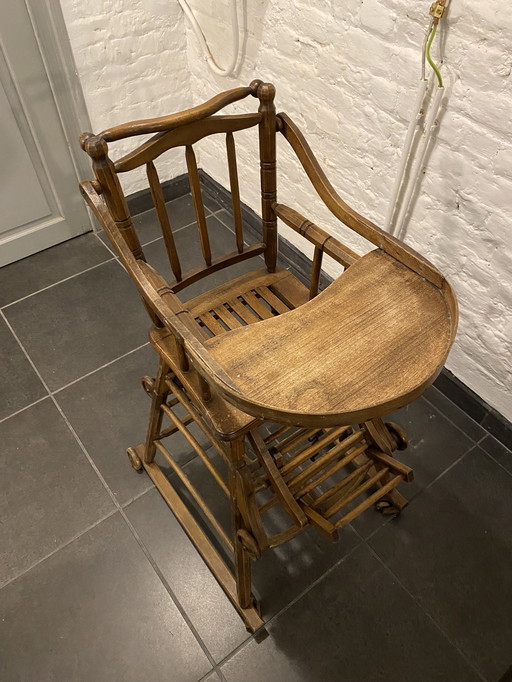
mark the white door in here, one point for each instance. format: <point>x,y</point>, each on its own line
<point>40,204</point>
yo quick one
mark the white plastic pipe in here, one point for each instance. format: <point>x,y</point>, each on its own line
<point>415,121</point>
<point>204,45</point>
<point>430,126</point>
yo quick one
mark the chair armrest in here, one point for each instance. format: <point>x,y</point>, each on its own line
<point>383,240</point>
<point>314,234</point>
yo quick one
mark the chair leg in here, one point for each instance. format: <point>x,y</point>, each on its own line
<point>242,566</point>
<point>241,555</point>
<point>159,392</point>
<point>387,437</point>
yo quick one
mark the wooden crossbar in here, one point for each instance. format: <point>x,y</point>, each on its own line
<point>369,501</point>
<point>216,264</point>
<point>197,497</point>
<point>202,543</point>
<point>306,454</point>
<point>327,473</point>
<point>200,451</point>
<point>335,452</point>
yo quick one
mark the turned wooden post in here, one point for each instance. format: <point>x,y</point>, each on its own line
<point>267,135</point>
<point>111,190</point>
<point>112,193</point>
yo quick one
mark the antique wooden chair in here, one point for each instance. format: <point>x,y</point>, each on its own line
<point>290,400</point>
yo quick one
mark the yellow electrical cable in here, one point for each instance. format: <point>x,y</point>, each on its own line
<point>429,58</point>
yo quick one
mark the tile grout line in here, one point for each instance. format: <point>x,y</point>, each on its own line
<point>121,511</point>
<point>106,246</point>
<point>57,549</point>
<point>137,496</point>
<point>423,490</point>
<point>496,462</point>
<point>285,608</point>
<point>36,402</point>
<point>425,612</point>
<point>222,222</point>
<point>54,284</point>
<point>438,410</point>
<point>71,383</point>
<point>97,265</point>
<point>107,364</point>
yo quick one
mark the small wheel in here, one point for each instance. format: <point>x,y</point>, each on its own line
<point>398,435</point>
<point>134,458</point>
<point>148,384</point>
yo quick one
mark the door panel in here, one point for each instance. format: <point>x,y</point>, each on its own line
<point>40,204</point>
<point>17,172</point>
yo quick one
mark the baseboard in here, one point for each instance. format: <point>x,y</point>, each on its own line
<point>290,257</point>
<point>141,201</point>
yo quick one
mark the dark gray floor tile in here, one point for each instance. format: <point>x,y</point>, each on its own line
<point>356,625</point>
<point>453,551</point>
<point>95,611</point>
<point>47,267</point>
<point>461,395</point>
<point>181,212</point>
<point>78,325</point>
<point>203,599</point>
<point>19,384</point>
<point>283,573</point>
<point>210,203</point>
<point>497,450</point>
<point>226,217</point>
<point>454,413</point>
<point>497,425</point>
<point>48,490</point>
<point>434,445</point>
<point>222,242</point>
<point>109,411</point>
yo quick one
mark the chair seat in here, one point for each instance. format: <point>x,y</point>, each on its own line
<point>246,300</point>
<point>370,343</point>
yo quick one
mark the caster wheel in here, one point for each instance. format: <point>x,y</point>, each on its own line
<point>398,435</point>
<point>385,507</point>
<point>134,458</point>
<point>148,384</point>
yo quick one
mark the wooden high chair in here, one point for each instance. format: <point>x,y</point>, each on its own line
<point>288,385</point>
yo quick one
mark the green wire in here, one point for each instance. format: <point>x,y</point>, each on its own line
<point>429,58</point>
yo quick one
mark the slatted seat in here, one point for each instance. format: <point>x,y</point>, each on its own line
<point>245,300</point>
<point>287,384</point>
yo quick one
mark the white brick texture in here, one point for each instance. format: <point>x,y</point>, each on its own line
<point>131,57</point>
<point>347,73</point>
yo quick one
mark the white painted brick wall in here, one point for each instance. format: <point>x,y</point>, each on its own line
<point>131,57</point>
<point>347,73</point>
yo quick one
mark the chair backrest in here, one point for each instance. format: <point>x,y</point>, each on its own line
<point>184,129</point>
